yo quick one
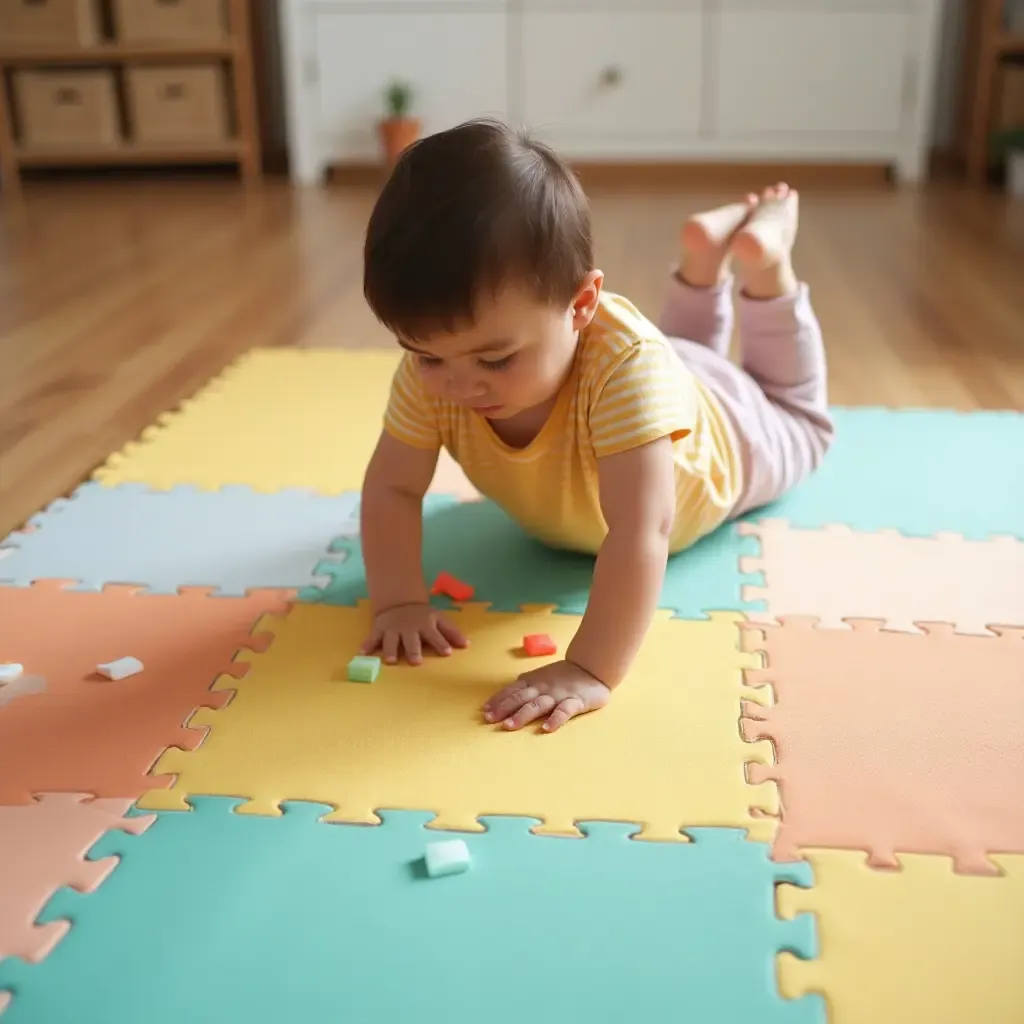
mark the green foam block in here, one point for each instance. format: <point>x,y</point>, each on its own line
<point>362,669</point>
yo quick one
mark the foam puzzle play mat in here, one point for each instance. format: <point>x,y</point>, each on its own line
<point>804,805</point>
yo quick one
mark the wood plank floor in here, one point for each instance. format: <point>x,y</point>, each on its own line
<point>117,301</point>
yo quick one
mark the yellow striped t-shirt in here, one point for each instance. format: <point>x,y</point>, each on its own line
<point>627,387</point>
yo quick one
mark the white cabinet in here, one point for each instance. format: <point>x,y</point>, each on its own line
<point>341,61</point>
<point>611,81</point>
<point>621,80</point>
<point>846,80</point>
<point>759,87</point>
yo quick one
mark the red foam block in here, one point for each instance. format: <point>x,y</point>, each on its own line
<point>449,586</point>
<point>537,644</point>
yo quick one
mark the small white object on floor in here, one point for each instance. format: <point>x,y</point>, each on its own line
<point>121,668</point>
<point>450,857</point>
<point>24,686</point>
<point>10,672</point>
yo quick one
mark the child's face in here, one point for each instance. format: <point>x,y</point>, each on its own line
<point>514,357</point>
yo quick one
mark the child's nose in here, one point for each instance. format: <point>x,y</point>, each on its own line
<point>463,385</point>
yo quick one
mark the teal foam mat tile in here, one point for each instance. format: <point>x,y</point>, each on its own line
<point>234,539</point>
<point>479,544</point>
<point>218,916</point>
<point>918,471</point>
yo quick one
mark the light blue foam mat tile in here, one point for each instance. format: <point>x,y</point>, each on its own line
<point>918,471</point>
<point>479,544</point>
<point>217,916</point>
<point>234,539</point>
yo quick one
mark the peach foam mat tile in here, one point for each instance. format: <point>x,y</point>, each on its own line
<point>86,733</point>
<point>835,573</point>
<point>888,742</point>
<point>43,847</point>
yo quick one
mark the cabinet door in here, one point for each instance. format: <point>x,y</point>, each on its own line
<point>454,61</point>
<point>800,70</point>
<point>607,83</point>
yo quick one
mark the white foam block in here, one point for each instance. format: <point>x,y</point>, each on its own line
<point>450,857</point>
<point>120,668</point>
<point>10,672</point>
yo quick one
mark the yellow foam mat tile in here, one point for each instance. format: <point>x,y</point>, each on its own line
<point>275,418</point>
<point>914,944</point>
<point>665,753</point>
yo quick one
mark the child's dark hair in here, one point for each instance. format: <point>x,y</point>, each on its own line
<point>465,212</point>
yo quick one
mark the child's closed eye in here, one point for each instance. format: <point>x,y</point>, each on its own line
<point>498,364</point>
<point>431,361</point>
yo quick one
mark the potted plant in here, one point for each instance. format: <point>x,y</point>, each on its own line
<point>398,128</point>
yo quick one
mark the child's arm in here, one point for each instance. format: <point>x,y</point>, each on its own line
<point>638,500</point>
<point>637,489</point>
<point>391,524</point>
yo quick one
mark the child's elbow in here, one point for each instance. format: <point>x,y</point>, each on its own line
<point>660,519</point>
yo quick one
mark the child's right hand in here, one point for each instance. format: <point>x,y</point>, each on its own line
<point>406,627</point>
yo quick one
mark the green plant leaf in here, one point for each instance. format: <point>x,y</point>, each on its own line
<point>398,98</point>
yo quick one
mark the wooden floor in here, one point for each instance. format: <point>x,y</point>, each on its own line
<point>117,301</point>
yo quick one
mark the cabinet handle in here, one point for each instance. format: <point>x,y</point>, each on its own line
<point>611,76</point>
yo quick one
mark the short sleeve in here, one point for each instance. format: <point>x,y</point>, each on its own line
<point>649,394</point>
<point>410,415</point>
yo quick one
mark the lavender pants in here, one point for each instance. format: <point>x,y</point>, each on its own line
<point>776,400</point>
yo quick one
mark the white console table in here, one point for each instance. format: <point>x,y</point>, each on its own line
<point>621,80</point>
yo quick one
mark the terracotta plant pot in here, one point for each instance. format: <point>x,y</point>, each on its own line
<point>396,134</point>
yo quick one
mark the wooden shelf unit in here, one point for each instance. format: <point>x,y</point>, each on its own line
<point>130,153</point>
<point>989,43</point>
<point>114,52</point>
<point>236,48</point>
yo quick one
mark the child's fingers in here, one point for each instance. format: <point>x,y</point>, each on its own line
<point>389,646</point>
<point>507,703</point>
<point>412,646</point>
<point>568,708</point>
<point>531,711</point>
<point>452,634</point>
<point>434,638</point>
<point>496,698</point>
<point>371,643</point>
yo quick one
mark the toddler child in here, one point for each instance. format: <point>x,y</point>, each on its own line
<point>595,429</point>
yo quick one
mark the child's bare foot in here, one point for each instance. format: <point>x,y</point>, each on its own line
<point>763,246</point>
<point>706,239</point>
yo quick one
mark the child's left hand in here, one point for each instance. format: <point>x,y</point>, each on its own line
<point>560,690</point>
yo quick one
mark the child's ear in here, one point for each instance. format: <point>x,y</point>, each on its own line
<point>584,303</point>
